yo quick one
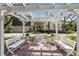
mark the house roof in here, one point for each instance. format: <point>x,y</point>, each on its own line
<point>17,22</point>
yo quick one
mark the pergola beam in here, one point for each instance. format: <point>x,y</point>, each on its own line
<point>39,7</point>
<point>17,16</point>
<point>24,4</point>
<point>27,19</point>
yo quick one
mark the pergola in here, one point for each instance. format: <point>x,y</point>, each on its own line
<point>19,9</point>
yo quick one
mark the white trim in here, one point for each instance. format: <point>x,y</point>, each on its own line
<point>1,34</point>
<point>76,12</point>
<point>77,35</point>
<point>56,27</point>
<point>23,30</point>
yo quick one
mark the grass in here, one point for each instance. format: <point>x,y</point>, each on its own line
<point>35,32</point>
<point>74,53</point>
<point>30,38</point>
<point>72,37</point>
<point>49,38</point>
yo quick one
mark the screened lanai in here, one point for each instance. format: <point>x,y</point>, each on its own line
<point>53,13</point>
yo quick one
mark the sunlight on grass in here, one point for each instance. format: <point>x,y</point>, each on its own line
<point>49,38</point>
<point>30,38</point>
<point>72,37</point>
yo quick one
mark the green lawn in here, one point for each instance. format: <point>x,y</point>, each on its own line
<point>71,37</point>
<point>30,38</point>
<point>49,38</point>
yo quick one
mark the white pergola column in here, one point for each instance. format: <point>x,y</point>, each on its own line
<point>23,30</point>
<point>56,27</point>
<point>77,35</point>
<point>1,34</point>
<point>76,12</point>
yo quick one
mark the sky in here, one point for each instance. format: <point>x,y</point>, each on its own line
<point>44,13</point>
<point>54,12</point>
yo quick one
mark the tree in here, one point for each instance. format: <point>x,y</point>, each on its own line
<point>7,23</point>
<point>64,21</point>
<point>70,27</point>
<point>48,25</point>
<point>38,25</point>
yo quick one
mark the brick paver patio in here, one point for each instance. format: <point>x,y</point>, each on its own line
<point>41,50</point>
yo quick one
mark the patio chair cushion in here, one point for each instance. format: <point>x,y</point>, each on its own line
<point>16,44</point>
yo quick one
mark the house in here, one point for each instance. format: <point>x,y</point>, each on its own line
<point>17,25</point>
